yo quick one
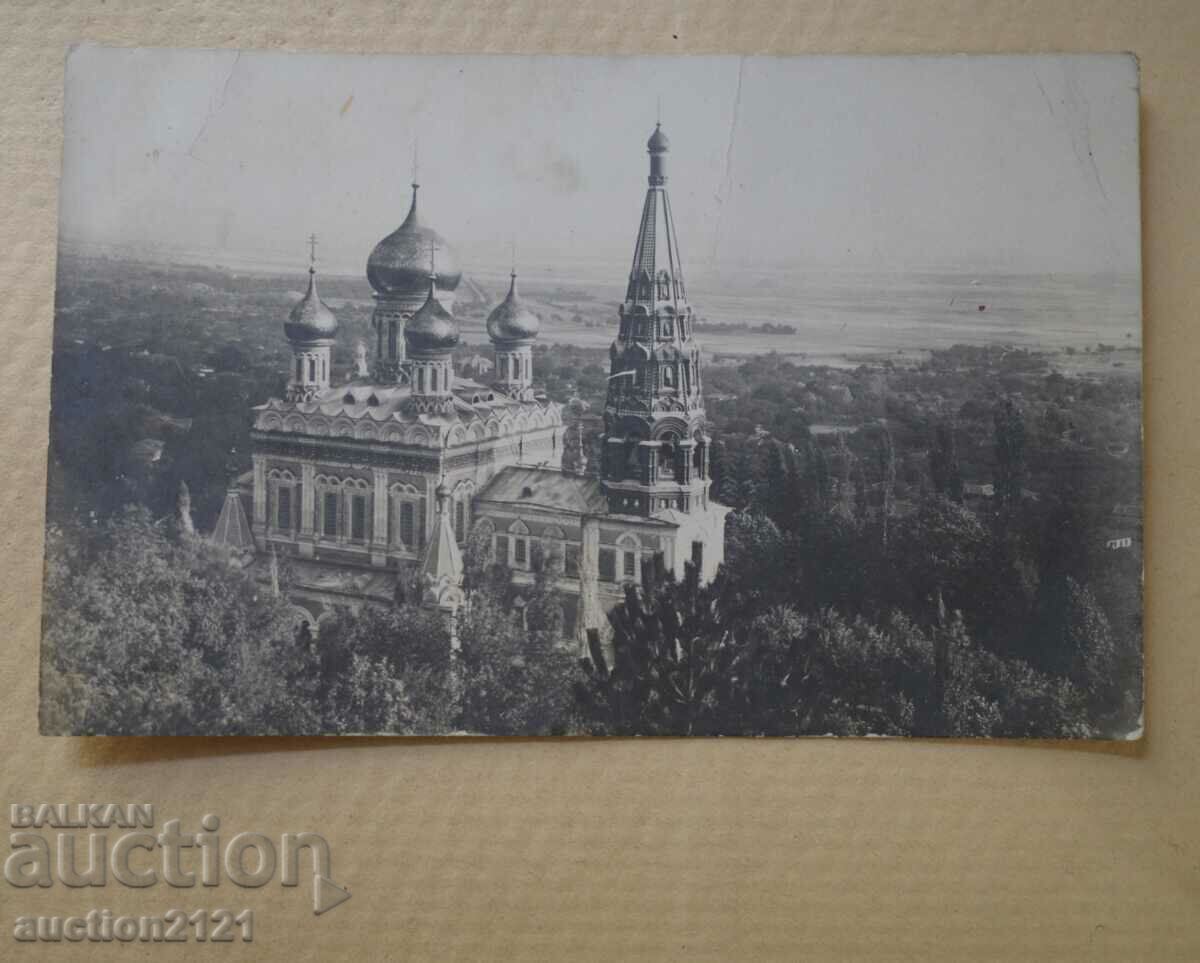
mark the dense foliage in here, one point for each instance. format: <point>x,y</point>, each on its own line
<point>150,630</point>
<point>915,548</point>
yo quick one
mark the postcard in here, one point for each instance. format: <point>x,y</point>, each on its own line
<point>530,395</point>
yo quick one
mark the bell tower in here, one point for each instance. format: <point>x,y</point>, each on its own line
<point>655,447</point>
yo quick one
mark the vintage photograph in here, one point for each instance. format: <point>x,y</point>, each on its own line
<point>530,395</point>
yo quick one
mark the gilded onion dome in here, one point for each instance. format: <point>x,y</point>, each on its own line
<point>399,265</point>
<point>311,319</point>
<point>432,327</point>
<point>658,142</point>
<point>512,319</point>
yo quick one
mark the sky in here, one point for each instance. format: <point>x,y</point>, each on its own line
<point>960,163</point>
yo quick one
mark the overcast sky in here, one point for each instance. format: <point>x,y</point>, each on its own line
<point>972,163</point>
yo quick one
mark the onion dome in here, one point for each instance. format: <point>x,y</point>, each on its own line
<point>511,319</point>
<point>432,327</point>
<point>311,319</point>
<point>658,143</point>
<point>399,265</point>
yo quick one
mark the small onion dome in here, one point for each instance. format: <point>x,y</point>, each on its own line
<point>399,265</point>
<point>658,143</point>
<point>432,328</point>
<point>311,319</point>
<point>511,319</point>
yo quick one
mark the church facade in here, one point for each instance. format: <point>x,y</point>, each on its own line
<point>397,467</point>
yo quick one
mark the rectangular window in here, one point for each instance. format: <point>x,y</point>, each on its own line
<point>608,564</point>
<point>407,524</point>
<point>283,519</point>
<point>460,522</point>
<point>520,551</point>
<point>330,521</point>
<point>629,564</point>
<point>571,563</point>
<point>698,554</point>
<point>502,549</point>
<point>358,518</point>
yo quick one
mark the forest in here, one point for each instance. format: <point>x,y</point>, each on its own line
<point>916,548</point>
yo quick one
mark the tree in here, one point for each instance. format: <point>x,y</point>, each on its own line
<point>1092,650</point>
<point>887,472</point>
<point>777,495</point>
<point>939,552</point>
<point>944,468</point>
<point>515,675</point>
<point>184,510</point>
<point>673,665</point>
<point>1009,425</point>
<point>146,634</point>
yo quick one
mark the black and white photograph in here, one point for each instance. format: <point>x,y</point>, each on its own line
<point>596,396</point>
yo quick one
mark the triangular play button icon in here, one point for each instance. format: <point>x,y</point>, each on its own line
<point>327,894</point>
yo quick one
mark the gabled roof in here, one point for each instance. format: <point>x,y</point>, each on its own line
<point>233,530</point>
<point>442,565</point>
<point>546,488</point>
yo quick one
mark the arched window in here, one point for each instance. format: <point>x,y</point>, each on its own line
<point>629,553</point>
<point>312,369</point>
<point>299,369</point>
<point>329,514</point>
<point>283,508</point>
<point>633,464</point>
<point>518,540</point>
<point>460,522</point>
<point>666,456</point>
<point>408,527</point>
<point>664,286</point>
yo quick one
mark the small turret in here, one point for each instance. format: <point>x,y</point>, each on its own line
<point>513,327</point>
<point>431,336</point>
<point>442,566</point>
<point>311,329</point>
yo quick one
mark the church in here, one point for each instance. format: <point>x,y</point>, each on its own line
<point>355,483</point>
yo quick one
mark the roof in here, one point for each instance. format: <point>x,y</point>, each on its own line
<point>233,530</point>
<point>399,264</point>
<point>443,561</point>
<point>310,319</point>
<point>546,488</point>
<point>432,328</point>
<point>512,319</point>
<point>364,400</point>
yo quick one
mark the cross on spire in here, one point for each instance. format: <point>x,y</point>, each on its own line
<point>433,259</point>
<point>312,252</point>
<point>416,166</point>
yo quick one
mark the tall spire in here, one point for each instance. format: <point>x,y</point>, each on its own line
<point>656,275</point>
<point>655,441</point>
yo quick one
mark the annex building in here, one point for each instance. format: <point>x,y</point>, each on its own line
<point>398,466</point>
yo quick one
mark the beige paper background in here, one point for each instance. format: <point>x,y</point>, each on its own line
<point>724,849</point>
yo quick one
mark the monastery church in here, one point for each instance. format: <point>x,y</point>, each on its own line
<point>397,467</point>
